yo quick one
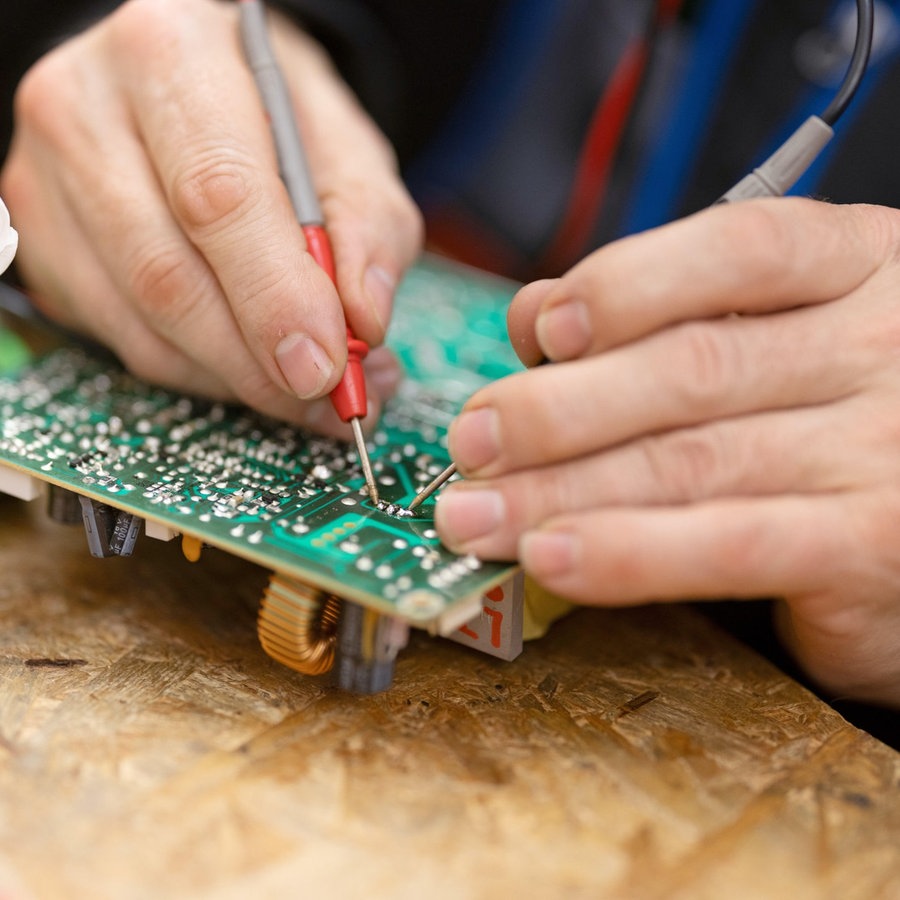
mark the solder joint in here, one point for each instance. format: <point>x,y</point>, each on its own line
<point>394,509</point>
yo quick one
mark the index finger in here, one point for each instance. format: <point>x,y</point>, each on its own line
<point>752,257</point>
<point>205,131</point>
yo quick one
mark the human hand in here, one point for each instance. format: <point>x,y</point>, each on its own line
<point>677,451</point>
<point>143,182</point>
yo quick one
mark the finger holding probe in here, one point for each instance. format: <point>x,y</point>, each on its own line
<point>349,397</point>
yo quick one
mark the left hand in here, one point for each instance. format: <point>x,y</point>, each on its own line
<point>677,451</point>
<point>143,180</point>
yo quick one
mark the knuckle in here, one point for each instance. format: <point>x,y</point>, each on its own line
<point>886,222</point>
<point>341,208</point>
<point>47,85</point>
<point>747,547</point>
<point>160,280</point>
<point>757,240</point>
<point>684,465</point>
<point>262,295</point>
<point>881,225</point>
<point>212,190</point>
<point>531,499</point>
<point>882,332</point>
<point>873,528</point>
<point>18,186</point>
<point>136,23</point>
<point>562,492</point>
<point>707,364</point>
<point>141,28</point>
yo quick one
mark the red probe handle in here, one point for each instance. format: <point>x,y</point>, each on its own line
<point>319,248</point>
<point>349,397</point>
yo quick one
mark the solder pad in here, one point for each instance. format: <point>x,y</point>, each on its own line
<point>254,487</point>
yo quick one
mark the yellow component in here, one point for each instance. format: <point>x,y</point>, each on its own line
<point>297,625</point>
<point>191,547</point>
<point>542,609</point>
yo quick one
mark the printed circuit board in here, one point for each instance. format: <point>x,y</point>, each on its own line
<point>133,455</point>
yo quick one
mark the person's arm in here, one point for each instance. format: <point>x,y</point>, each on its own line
<point>720,420</point>
<point>143,183</point>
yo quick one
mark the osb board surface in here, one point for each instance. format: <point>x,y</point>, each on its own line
<point>149,748</point>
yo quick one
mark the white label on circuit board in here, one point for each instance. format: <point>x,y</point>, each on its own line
<point>497,629</point>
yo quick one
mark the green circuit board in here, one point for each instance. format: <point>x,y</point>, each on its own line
<point>255,487</point>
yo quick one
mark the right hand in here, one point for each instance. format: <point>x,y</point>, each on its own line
<point>143,182</point>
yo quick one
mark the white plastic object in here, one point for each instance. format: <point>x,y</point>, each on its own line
<point>18,483</point>
<point>9,239</point>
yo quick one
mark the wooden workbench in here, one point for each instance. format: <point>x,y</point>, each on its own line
<point>148,748</point>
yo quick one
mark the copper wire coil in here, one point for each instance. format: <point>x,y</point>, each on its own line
<point>297,625</point>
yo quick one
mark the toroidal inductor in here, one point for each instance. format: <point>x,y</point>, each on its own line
<point>297,625</point>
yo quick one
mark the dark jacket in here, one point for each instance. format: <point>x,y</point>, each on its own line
<point>488,103</point>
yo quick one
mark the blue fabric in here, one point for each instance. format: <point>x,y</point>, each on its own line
<point>662,178</point>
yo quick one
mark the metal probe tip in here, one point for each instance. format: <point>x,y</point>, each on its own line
<point>364,458</point>
<point>429,489</point>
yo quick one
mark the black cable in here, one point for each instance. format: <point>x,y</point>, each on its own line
<point>781,171</point>
<point>865,17</point>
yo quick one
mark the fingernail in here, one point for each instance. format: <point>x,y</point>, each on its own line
<point>475,438</point>
<point>305,365</point>
<point>380,285</point>
<point>564,330</point>
<point>461,515</point>
<point>547,554</point>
